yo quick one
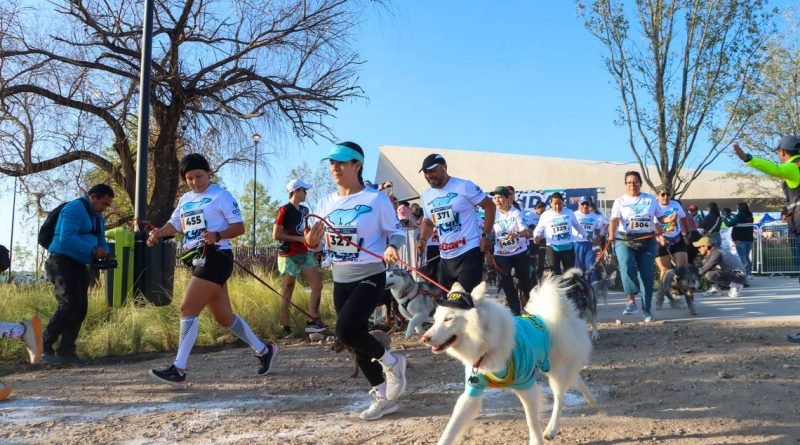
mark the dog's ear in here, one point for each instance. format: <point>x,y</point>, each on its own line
<point>478,293</point>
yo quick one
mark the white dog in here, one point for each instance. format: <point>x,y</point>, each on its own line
<point>414,299</point>
<point>506,351</point>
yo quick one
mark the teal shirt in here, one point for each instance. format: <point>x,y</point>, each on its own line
<point>529,356</point>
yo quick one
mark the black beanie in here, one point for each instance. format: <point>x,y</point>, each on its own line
<point>193,161</point>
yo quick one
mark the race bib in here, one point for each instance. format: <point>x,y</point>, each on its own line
<point>589,228</point>
<point>640,224</point>
<point>193,221</point>
<point>508,243</point>
<point>443,216</point>
<point>559,229</point>
<point>343,242</point>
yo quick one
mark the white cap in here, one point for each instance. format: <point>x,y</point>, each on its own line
<point>298,183</point>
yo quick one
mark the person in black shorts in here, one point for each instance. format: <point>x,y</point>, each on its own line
<point>209,218</point>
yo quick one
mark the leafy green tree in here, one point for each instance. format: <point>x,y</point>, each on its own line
<point>266,211</point>
<point>682,68</point>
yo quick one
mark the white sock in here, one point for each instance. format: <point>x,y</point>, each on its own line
<point>11,330</point>
<point>242,331</point>
<point>388,359</point>
<point>381,389</point>
<point>189,330</point>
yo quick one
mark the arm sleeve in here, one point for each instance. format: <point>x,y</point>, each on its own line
<point>539,230</point>
<point>230,208</point>
<point>101,241</point>
<point>788,171</point>
<point>281,216</point>
<point>576,225</point>
<point>616,210</point>
<point>712,261</point>
<point>389,223</point>
<point>69,225</point>
<point>175,218</point>
<point>473,193</point>
<point>520,224</point>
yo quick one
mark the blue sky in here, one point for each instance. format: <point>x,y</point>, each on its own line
<point>517,77</point>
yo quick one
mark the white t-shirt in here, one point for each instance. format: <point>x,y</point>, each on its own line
<point>452,211</point>
<point>530,218</point>
<point>366,218</point>
<point>211,211</point>
<point>603,223</point>
<point>590,223</point>
<point>505,223</point>
<point>636,214</point>
<point>672,229</point>
<point>556,227</point>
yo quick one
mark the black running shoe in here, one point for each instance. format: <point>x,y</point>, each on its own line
<point>170,375</point>
<point>315,326</point>
<point>287,333</point>
<point>267,359</point>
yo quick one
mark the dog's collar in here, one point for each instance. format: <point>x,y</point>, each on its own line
<point>405,291</point>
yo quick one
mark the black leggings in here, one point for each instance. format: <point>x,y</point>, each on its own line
<point>521,264</point>
<point>354,303</point>
<point>560,261</point>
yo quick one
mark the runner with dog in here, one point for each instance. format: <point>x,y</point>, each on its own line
<point>356,218</point>
<point>449,207</point>
<point>672,242</point>
<point>209,217</point>
<point>511,248</point>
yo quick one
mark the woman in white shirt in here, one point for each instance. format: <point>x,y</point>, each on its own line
<point>632,229</point>
<point>555,226</point>
<point>511,248</point>
<point>672,242</point>
<point>208,216</point>
<point>361,218</point>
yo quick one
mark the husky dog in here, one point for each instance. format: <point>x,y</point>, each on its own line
<point>676,282</point>
<point>583,297</point>
<point>602,285</point>
<point>500,350</point>
<point>383,337</point>
<point>414,299</point>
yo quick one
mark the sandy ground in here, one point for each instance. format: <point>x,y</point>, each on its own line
<point>701,382</point>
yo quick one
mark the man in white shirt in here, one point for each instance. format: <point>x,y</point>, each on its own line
<point>449,207</point>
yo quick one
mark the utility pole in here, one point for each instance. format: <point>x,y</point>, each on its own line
<point>256,140</point>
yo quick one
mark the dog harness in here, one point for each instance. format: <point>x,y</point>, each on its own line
<point>528,356</point>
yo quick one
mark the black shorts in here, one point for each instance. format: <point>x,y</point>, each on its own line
<point>680,246</point>
<point>218,267</point>
<point>466,268</point>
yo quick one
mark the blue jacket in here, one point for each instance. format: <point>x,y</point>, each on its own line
<point>75,234</point>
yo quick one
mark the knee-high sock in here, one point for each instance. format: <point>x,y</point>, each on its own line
<point>242,331</point>
<point>11,330</point>
<point>189,330</point>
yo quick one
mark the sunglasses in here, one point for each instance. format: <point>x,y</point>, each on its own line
<point>664,194</point>
<point>633,183</point>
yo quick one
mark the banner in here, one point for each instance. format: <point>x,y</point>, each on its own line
<point>527,199</point>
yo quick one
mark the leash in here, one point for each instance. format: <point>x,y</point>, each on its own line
<point>380,257</point>
<point>241,266</point>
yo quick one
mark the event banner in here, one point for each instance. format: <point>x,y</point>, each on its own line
<point>528,199</point>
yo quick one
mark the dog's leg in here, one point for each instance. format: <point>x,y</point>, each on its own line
<point>530,402</point>
<point>690,304</point>
<point>593,320</point>
<point>584,390</point>
<point>415,325</point>
<point>557,383</point>
<point>466,409</point>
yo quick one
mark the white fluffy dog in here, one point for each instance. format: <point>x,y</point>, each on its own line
<point>500,350</point>
<point>414,299</point>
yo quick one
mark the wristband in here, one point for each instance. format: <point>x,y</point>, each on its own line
<point>748,157</point>
<point>310,246</point>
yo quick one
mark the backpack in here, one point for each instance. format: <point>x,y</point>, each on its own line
<point>5,258</point>
<point>48,230</point>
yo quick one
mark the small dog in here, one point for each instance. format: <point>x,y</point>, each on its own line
<point>414,299</point>
<point>676,282</point>
<point>383,337</point>
<point>483,335</point>
<point>602,286</point>
<point>582,295</point>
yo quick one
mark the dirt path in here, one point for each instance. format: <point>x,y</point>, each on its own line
<point>692,383</point>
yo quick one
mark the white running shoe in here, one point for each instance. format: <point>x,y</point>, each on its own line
<point>380,406</point>
<point>395,377</point>
<point>713,290</point>
<point>736,290</point>
<point>33,338</point>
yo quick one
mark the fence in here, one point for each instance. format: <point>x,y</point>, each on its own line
<point>773,250</point>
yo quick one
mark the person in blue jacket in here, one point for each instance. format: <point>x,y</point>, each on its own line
<point>78,240</point>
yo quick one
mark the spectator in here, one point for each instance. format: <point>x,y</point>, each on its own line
<point>720,267</point>
<point>78,240</point>
<point>712,223</point>
<point>742,234</point>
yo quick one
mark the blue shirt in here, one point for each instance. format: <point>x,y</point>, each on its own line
<point>529,355</point>
<point>75,234</point>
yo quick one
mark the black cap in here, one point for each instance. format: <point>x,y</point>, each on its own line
<point>457,298</point>
<point>501,190</point>
<point>432,160</point>
<point>790,143</point>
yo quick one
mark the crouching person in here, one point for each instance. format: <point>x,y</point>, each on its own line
<point>720,267</point>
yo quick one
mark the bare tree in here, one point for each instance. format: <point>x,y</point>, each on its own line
<point>69,87</point>
<point>682,74</point>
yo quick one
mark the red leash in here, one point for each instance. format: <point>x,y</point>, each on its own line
<point>380,257</point>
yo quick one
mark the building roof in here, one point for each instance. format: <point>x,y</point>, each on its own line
<point>400,164</point>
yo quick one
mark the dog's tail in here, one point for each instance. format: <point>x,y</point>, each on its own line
<point>570,344</point>
<point>572,273</point>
